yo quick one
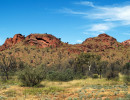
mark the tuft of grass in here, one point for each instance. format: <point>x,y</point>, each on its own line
<point>128,96</point>
<point>2,98</point>
<point>10,93</point>
<point>52,89</point>
<point>33,91</point>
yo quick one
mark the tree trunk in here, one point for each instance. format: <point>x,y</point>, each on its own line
<point>7,76</point>
<point>100,74</point>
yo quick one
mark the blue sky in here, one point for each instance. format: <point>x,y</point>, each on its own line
<point>71,20</point>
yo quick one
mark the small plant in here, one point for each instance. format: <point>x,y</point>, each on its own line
<point>70,98</point>
<point>126,79</point>
<point>89,95</point>
<point>128,96</point>
<point>10,93</point>
<point>115,93</point>
<point>107,98</point>
<point>120,98</point>
<point>52,89</point>
<point>33,91</point>
<point>95,76</point>
<point>75,98</point>
<point>2,98</point>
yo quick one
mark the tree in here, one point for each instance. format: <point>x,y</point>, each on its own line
<point>84,62</point>
<point>112,71</point>
<point>101,66</point>
<point>126,69</point>
<point>7,64</point>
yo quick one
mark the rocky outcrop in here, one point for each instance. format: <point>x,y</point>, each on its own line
<point>38,40</point>
<point>12,41</point>
<point>100,43</point>
<point>42,40</point>
<point>95,44</point>
<point>104,38</point>
<point>126,43</point>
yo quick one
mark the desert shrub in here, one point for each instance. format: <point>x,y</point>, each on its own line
<point>31,76</point>
<point>126,69</point>
<point>112,71</point>
<point>67,75</point>
<point>52,75</point>
<point>64,75</point>
<point>111,74</point>
<point>8,65</point>
<point>126,79</point>
<point>95,76</point>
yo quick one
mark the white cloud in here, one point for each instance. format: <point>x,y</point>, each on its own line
<point>121,14</point>
<point>91,33</point>
<point>86,3</point>
<point>70,11</point>
<point>79,41</point>
<point>100,27</point>
<point>97,29</point>
<point>106,17</point>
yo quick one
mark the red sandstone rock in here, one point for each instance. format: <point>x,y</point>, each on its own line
<point>127,42</point>
<point>42,40</point>
<point>101,38</point>
<point>102,42</point>
<point>38,40</point>
<point>12,41</point>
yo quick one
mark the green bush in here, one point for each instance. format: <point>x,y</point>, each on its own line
<point>126,79</point>
<point>52,75</point>
<point>31,76</point>
<point>64,75</point>
<point>95,76</point>
<point>111,75</point>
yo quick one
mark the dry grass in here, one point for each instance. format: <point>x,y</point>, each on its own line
<point>72,90</point>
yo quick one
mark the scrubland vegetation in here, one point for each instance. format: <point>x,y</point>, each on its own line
<point>82,77</point>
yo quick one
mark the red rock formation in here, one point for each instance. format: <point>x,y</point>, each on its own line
<point>101,38</point>
<point>96,44</point>
<point>103,41</point>
<point>42,40</point>
<point>38,40</point>
<point>126,43</point>
<point>12,41</point>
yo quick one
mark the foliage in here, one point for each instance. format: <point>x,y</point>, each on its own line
<point>31,76</point>
<point>126,79</point>
<point>64,75</point>
<point>95,76</point>
<point>126,69</point>
<point>52,89</point>
<point>10,93</point>
<point>33,91</point>
<point>7,65</point>
<point>84,64</point>
<point>112,71</point>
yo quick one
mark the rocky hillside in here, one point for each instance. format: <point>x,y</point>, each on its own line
<point>12,41</point>
<point>102,42</point>
<point>126,43</point>
<point>46,48</point>
<point>38,40</point>
<point>42,40</point>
